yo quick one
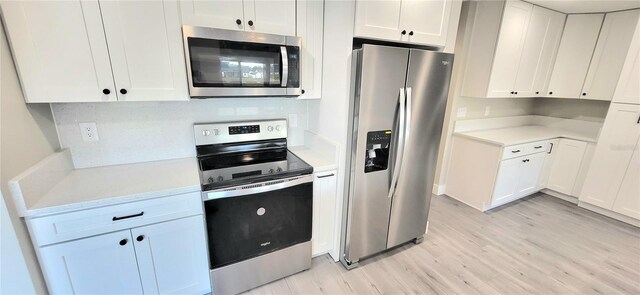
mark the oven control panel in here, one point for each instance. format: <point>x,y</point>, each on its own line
<point>227,132</point>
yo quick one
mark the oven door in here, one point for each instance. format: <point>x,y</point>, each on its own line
<point>223,63</point>
<point>258,218</point>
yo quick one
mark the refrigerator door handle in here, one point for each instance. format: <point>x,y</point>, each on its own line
<point>400,148</point>
<point>407,124</point>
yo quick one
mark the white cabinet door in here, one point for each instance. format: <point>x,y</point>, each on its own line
<point>552,151</point>
<point>574,55</point>
<point>145,45</point>
<point>221,14</point>
<point>613,154</point>
<point>310,28</point>
<point>60,50</point>
<point>540,47</point>
<point>426,22</point>
<point>379,20</point>
<point>324,212</point>
<point>172,257</point>
<point>104,264</point>
<point>628,88</point>
<point>506,188</point>
<point>530,174</point>
<point>608,58</point>
<point>509,48</point>
<point>628,199</point>
<point>566,165</point>
<point>271,17</point>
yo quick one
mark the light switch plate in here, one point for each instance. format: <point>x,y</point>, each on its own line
<point>462,112</point>
<point>89,131</point>
<point>293,120</point>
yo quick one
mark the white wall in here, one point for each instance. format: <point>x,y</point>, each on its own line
<point>27,135</point>
<point>132,132</point>
<point>580,109</point>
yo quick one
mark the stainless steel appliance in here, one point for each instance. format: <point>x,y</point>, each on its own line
<point>396,115</point>
<point>225,63</point>
<point>258,200</point>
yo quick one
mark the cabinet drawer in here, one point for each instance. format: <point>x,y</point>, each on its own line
<point>78,224</point>
<point>525,149</point>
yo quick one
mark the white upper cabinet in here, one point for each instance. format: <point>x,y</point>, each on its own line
<point>612,156</point>
<point>608,58</point>
<point>538,52</point>
<point>270,17</point>
<point>413,21</point>
<point>222,14</point>
<point>509,47</point>
<point>309,27</point>
<point>104,263</point>
<point>98,51</point>
<point>428,29</point>
<point>574,55</point>
<point>628,200</point>
<point>628,88</point>
<point>145,46</point>
<point>67,64</point>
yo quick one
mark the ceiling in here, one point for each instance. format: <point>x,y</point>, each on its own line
<point>585,6</point>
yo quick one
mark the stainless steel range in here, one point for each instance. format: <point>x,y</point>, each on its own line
<point>258,200</point>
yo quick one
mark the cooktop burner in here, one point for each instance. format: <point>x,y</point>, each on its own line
<point>232,154</point>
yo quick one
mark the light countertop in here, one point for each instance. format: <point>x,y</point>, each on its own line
<point>314,158</point>
<point>523,134</point>
<point>100,186</point>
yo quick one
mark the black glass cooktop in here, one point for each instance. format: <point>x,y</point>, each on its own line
<point>240,164</point>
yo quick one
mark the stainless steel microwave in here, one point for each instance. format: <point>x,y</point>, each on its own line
<point>226,63</point>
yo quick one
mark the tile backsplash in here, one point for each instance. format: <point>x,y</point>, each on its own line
<point>131,132</point>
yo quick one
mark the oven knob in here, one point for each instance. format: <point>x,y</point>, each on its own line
<point>279,169</point>
<point>271,171</point>
<point>278,127</point>
<point>216,132</point>
<point>206,132</point>
<point>270,128</point>
<point>220,178</point>
<point>210,179</point>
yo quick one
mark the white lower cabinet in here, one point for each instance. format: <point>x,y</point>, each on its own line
<point>628,200</point>
<point>566,165</point>
<point>102,264</point>
<point>324,212</point>
<point>148,250</point>
<point>172,258</point>
<point>517,177</point>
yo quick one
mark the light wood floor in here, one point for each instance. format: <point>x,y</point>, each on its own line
<point>537,245</point>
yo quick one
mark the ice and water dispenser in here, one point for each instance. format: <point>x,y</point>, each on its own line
<point>377,155</point>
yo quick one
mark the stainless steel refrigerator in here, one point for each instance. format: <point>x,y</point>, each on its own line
<point>397,110</point>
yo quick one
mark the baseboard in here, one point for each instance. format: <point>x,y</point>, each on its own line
<point>611,214</point>
<point>568,198</point>
<point>438,190</point>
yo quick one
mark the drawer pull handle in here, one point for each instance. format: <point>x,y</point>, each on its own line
<point>128,216</point>
<point>538,147</point>
<point>516,151</point>
<point>328,175</point>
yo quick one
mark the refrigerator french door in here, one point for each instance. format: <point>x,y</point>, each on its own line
<point>396,116</point>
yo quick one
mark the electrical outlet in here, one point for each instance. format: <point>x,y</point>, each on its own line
<point>293,120</point>
<point>487,110</point>
<point>89,131</point>
<point>462,112</point>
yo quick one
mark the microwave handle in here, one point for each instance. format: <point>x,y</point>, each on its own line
<point>285,65</point>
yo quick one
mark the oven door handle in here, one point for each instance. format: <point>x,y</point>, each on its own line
<point>285,65</point>
<point>256,188</point>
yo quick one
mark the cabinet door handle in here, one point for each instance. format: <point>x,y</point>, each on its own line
<point>550,149</point>
<point>140,238</point>
<point>250,22</point>
<point>123,242</point>
<point>404,32</point>
<point>537,147</point>
<point>516,151</point>
<point>638,122</point>
<point>411,33</point>
<point>128,216</point>
<point>324,176</point>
